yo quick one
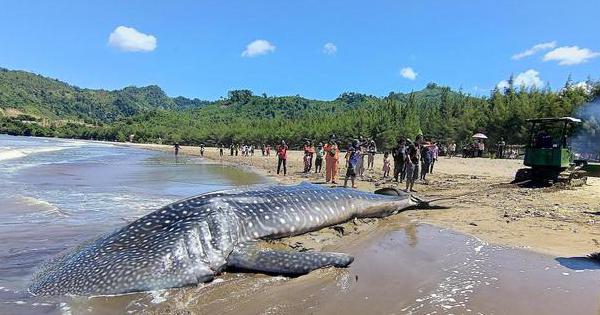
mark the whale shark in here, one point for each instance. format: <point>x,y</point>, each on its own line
<point>193,240</point>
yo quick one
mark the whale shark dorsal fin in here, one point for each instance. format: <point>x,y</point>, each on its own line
<point>251,258</point>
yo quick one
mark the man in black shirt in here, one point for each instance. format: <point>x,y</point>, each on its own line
<point>412,166</point>
<point>399,154</point>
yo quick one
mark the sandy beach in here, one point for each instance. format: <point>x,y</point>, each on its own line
<point>553,221</point>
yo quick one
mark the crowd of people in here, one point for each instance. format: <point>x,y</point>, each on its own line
<point>409,161</point>
<point>413,160</point>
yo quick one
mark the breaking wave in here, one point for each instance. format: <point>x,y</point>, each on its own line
<point>10,153</point>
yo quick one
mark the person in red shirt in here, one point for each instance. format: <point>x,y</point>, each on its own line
<point>309,151</point>
<point>282,157</point>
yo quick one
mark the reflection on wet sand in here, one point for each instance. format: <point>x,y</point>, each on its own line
<point>406,269</point>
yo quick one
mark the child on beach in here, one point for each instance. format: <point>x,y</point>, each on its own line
<point>353,156</point>
<point>319,157</point>
<point>386,165</point>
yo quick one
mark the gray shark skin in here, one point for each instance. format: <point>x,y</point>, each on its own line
<point>193,240</point>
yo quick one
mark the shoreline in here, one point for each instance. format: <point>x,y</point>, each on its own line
<point>551,221</point>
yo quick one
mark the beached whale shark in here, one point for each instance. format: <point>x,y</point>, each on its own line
<point>193,240</point>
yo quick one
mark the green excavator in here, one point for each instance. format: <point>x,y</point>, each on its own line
<point>549,158</point>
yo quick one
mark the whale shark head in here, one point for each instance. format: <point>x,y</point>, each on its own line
<point>175,246</point>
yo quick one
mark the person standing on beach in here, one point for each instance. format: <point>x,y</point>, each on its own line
<point>399,155</point>
<point>362,150</point>
<point>202,149</point>
<point>371,150</point>
<point>451,149</point>
<point>231,149</point>
<point>319,152</point>
<point>237,149</point>
<point>282,157</point>
<point>435,152</point>
<point>412,165</point>
<point>353,156</point>
<point>176,146</point>
<point>425,160</point>
<point>501,146</point>
<point>332,155</point>
<point>386,165</point>
<point>309,151</point>
<point>221,150</point>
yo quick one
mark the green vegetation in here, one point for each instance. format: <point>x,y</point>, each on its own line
<point>58,109</point>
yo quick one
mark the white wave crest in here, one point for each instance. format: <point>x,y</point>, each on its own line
<point>9,154</point>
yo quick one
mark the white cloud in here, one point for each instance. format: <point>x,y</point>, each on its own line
<point>527,79</point>
<point>129,39</point>
<point>408,73</point>
<point>257,48</point>
<point>531,51</point>
<point>502,85</point>
<point>570,55</point>
<point>330,49</point>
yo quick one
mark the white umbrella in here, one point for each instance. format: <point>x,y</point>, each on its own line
<point>479,136</point>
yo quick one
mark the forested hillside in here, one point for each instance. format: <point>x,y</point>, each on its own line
<point>51,99</point>
<point>242,117</point>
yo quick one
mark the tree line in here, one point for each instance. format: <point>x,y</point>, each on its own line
<point>436,112</point>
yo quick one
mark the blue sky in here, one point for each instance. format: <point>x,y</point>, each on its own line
<point>195,48</point>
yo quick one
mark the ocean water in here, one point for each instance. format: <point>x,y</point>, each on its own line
<point>56,193</point>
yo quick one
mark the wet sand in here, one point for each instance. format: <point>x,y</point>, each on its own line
<point>402,269</point>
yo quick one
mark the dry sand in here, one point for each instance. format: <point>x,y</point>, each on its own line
<point>560,222</point>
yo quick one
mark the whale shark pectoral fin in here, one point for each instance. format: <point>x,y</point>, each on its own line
<point>270,261</point>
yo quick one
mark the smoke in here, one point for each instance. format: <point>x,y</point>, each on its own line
<point>586,142</point>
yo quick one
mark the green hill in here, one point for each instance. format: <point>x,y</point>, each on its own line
<point>52,99</point>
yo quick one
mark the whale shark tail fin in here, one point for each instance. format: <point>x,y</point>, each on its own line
<point>419,203</point>
<point>426,204</point>
<point>252,258</point>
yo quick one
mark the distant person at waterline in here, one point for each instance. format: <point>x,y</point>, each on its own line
<point>176,146</point>
<point>282,157</point>
<point>221,150</point>
<point>202,149</point>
